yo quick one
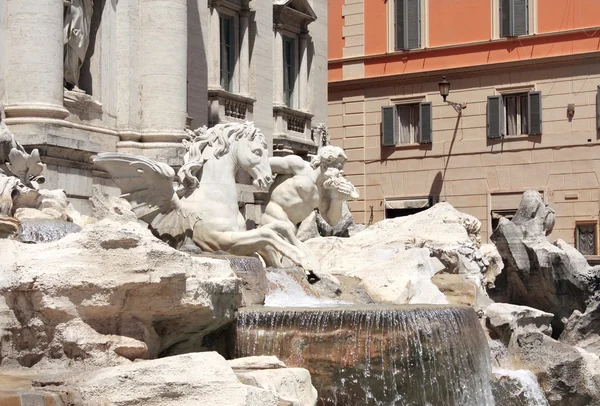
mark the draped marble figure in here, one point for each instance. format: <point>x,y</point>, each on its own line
<point>77,23</point>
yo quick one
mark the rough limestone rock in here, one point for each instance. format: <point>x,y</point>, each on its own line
<point>107,295</point>
<point>503,319</point>
<point>292,385</point>
<point>256,362</point>
<point>583,329</point>
<point>554,278</point>
<point>184,380</point>
<point>395,259</point>
<point>569,376</point>
<point>517,388</point>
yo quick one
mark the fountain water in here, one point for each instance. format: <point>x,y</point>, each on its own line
<point>46,230</point>
<point>403,355</point>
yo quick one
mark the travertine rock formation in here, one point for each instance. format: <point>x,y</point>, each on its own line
<point>292,385</point>
<point>395,259</point>
<point>185,380</point>
<point>107,295</point>
<point>554,278</point>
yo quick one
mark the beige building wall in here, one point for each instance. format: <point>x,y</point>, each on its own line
<point>476,174</point>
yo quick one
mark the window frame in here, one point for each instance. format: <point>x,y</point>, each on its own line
<point>532,20</point>
<point>234,54</point>
<point>419,102</point>
<point>391,27</point>
<point>290,95</point>
<point>576,234</point>
<point>526,90</point>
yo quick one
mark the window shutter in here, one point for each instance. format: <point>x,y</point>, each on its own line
<point>425,123</point>
<point>535,113</point>
<point>495,117</point>
<point>413,24</point>
<point>505,20</point>
<point>598,108</point>
<point>520,17</point>
<point>389,126</point>
<point>399,25</point>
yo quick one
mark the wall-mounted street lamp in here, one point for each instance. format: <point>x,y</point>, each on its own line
<point>444,86</point>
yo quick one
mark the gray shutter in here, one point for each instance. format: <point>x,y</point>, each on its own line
<point>505,20</point>
<point>520,17</point>
<point>495,117</point>
<point>413,24</point>
<point>534,106</point>
<point>425,123</point>
<point>598,108</point>
<point>399,25</point>
<point>389,126</point>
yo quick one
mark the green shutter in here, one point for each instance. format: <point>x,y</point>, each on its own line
<point>534,108</point>
<point>505,20</point>
<point>389,126</point>
<point>399,25</point>
<point>495,117</point>
<point>413,24</point>
<point>425,123</point>
<point>598,108</point>
<point>520,17</point>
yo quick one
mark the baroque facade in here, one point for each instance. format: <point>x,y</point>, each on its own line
<point>528,73</point>
<point>80,77</point>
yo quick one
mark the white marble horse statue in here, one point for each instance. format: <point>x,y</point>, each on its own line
<point>201,200</point>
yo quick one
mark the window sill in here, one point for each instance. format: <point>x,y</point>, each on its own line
<point>226,105</point>
<point>222,93</point>
<point>279,108</point>
<point>412,145</point>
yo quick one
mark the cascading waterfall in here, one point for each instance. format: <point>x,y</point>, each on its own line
<point>402,355</point>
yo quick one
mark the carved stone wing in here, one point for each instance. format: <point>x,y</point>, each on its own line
<point>147,184</point>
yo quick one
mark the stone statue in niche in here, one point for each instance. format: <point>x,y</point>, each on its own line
<point>301,187</point>
<point>77,24</point>
<point>203,206</point>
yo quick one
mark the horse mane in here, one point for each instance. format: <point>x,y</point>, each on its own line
<point>220,137</point>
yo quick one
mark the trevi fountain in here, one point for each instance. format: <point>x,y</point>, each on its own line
<point>164,297</point>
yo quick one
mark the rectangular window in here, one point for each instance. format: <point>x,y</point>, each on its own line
<point>406,124</point>
<point>514,114</point>
<point>227,52</point>
<point>289,71</point>
<point>407,24</point>
<point>585,238</point>
<point>514,18</point>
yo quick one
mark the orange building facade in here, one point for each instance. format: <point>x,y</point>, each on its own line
<point>527,73</point>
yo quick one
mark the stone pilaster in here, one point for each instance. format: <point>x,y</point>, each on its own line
<point>163,64</point>
<point>214,47</point>
<point>278,67</point>
<point>244,53</point>
<point>34,60</point>
<point>303,74</point>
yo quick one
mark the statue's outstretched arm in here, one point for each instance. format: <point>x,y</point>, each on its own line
<point>288,165</point>
<point>337,190</point>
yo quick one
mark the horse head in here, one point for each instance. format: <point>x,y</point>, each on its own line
<point>250,150</point>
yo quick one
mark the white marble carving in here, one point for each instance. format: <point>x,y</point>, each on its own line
<point>300,188</point>
<point>77,24</point>
<point>203,203</point>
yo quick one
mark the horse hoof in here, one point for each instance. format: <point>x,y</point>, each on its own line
<point>312,278</point>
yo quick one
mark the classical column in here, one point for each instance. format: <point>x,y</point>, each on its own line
<point>278,67</point>
<point>34,59</point>
<point>244,53</point>
<point>303,73</point>
<point>163,65</point>
<point>214,47</point>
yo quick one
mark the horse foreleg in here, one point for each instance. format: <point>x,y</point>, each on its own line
<point>251,241</point>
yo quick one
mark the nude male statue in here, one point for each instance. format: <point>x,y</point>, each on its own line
<point>300,187</point>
